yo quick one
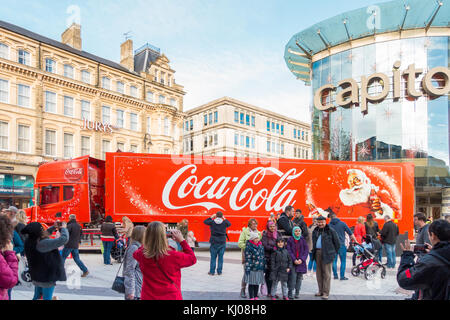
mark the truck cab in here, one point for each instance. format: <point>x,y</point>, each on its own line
<point>65,187</point>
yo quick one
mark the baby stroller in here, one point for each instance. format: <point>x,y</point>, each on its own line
<point>369,264</point>
<point>118,250</point>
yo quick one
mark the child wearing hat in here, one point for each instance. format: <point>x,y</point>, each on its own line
<point>254,264</point>
<point>281,265</point>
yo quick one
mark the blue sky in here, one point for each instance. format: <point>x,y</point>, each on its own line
<point>217,47</point>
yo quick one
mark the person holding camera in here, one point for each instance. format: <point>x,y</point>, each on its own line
<point>161,264</point>
<point>430,275</point>
<point>44,260</point>
<point>218,225</point>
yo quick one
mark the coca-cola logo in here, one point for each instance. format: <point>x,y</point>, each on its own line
<point>261,187</point>
<point>74,174</point>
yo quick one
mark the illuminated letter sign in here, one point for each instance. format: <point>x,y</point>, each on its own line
<point>348,92</point>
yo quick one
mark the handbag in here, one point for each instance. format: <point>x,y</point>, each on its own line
<point>119,282</point>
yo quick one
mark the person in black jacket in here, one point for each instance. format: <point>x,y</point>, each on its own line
<point>285,224</point>
<point>75,232</point>
<point>299,221</point>
<point>389,234</point>
<point>325,247</point>
<point>44,261</point>
<point>430,275</point>
<point>218,225</point>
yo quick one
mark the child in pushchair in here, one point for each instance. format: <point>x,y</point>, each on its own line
<point>369,264</point>
<point>118,250</point>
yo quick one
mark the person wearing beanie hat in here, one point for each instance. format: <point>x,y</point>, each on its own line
<point>44,260</point>
<point>298,251</point>
<point>254,264</point>
<point>325,248</point>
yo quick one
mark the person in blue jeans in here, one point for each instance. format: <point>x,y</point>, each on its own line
<point>389,234</point>
<point>218,226</point>
<point>341,229</point>
<point>109,235</point>
<point>72,246</point>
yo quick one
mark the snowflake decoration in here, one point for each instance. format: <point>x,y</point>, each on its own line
<point>350,57</point>
<point>388,114</point>
<point>329,78</point>
<point>374,67</point>
<point>364,150</point>
<point>415,149</point>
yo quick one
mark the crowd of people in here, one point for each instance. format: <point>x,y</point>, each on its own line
<point>275,256</point>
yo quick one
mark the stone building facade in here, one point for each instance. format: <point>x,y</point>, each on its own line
<point>59,102</point>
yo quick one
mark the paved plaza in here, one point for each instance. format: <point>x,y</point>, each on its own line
<point>198,285</point>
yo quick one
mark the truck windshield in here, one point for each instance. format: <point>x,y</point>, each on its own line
<point>49,195</point>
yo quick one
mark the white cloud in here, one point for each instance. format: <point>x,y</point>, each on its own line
<point>253,77</point>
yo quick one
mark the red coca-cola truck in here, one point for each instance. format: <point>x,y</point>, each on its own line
<point>169,188</point>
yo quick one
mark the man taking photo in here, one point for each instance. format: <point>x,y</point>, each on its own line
<point>430,276</point>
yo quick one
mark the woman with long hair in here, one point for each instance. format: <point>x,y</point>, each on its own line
<point>44,260</point>
<point>373,229</point>
<point>131,271</point>
<point>128,226</point>
<point>161,264</point>
<point>21,222</point>
<point>8,262</point>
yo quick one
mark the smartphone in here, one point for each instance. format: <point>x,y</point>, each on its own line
<point>420,248</point>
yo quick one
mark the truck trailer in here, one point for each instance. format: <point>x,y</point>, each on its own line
<point>170,188</point>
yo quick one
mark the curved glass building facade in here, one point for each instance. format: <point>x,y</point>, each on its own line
<point>408,123</point>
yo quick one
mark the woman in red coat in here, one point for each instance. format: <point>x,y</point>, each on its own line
<point>360,233</point>
<point>8,261</point>
<point>161,264</point>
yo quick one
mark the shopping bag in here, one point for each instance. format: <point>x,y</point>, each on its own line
<point>264,289</point>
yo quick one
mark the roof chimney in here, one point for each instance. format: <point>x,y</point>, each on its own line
<point>126,55</point>
<point>72,36</point>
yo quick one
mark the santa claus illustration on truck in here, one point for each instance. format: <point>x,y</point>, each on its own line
<point>359,199</point>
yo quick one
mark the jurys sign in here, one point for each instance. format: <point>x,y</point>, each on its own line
<point>352,94</point>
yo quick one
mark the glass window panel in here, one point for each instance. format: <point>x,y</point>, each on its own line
<point>86,76</point>
<point>68,106</point>
<point>68,192</point>
<point>4,51</point>
<point>85,110</point>
<point>50,102</point>
<point>68,71</point>
<point>120,86</point>
<point>106,114</point>
<point>23,138</point>
<point>85,146</point>
<point>120,118</point>
<point>50,142</point>
<point>4,91</point>
<point>68,145</point>
<point>4,135</point>
<point>23,95</point>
